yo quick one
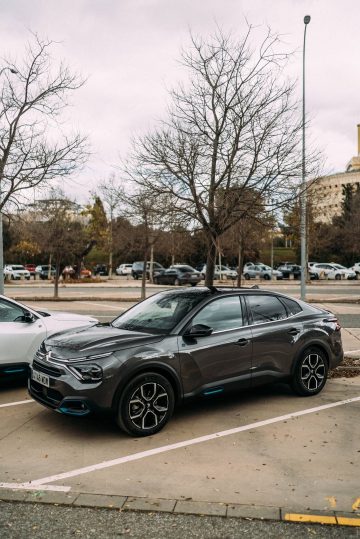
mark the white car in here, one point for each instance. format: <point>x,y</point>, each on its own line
<point>16,271</point>
<point>332,271</point>
<point>23,329</point>
<point>123,269</point>
<point>263,271</point>
<point>356,268</point>
<point>222,272</point>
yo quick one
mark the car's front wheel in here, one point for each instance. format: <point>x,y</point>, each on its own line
<point>247,276</point>
<point>146,405</point>
<point>338,277</point>
<point>310,372</point>
<point>267,277</point>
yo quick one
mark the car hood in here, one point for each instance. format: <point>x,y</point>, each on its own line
<point>68,317</point>
<point>99,339</point>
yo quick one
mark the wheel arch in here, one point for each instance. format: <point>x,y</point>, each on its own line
<point>158,368</point>
<point>321,346</point>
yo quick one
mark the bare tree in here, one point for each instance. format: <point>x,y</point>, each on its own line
<point>33,148</point>
<point>57,229</point>
<point>233,129</point>
<point>112,194</point>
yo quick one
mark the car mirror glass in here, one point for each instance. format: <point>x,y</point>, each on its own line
<point>198,330</point>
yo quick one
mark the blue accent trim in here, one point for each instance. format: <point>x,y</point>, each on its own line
<point>15,370</point>
<point>68,411</point>
<point>213,391</point>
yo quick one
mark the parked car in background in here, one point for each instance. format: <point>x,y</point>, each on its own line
<point>85,273</point>
<point>43,271</point>
<point>137,269</point>
<point>124,269</point>
<point>220,272</point>
<point>288,269</point>
<point>333,271</point>
<point>101,269</point>
<point>181,344</point>
<point>262,271</point>
<point>31,269</point>
<point>16,272</point>
<point>178,275</point>
<point>22,330</point>
<point>356,269</point>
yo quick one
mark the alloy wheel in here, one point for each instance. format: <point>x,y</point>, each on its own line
<point>313,372</point>
<point>148,405</point>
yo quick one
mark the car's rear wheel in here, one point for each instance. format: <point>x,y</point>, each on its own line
<point>193,284</point>
<point>338,277</point>
<point>310,373</point>
<point>247,276</point>
<point>146,404</point>
<point>267,277</point>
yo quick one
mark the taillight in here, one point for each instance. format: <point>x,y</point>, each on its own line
<point>334,320</point>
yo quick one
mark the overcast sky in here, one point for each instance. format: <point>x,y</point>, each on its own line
<point>129,51</point>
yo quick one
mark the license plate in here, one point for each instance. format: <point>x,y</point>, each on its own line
<point>41,378</point>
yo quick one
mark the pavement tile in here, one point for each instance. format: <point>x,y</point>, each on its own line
<point>100,500</point>
<point>13,495</point>
<point>261,512</point>
<point>43,496</point>
<point>201,508</point>
<point>149,504</point>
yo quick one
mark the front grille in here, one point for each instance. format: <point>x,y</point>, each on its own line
<point>46,395</point>
<point>47,369</point>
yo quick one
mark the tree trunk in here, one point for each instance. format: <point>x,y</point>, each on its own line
<point>240,263</point>
<point>56,283</point>
<point>210,263</point>
<point>143,280</point>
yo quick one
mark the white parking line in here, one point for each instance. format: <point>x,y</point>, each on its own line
<point>178,445</point>
<point>16,403</point>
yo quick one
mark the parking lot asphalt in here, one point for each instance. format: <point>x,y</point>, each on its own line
<point>262,454</point>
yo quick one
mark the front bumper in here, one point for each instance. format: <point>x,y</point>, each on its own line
<point>68,395</point>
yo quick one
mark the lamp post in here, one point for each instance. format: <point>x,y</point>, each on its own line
<point>12,70</point>
<point>303,196</point>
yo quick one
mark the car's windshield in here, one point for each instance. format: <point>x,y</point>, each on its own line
<point>18,267</point>
<point>160,313</point>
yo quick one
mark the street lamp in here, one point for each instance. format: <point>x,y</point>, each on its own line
<point>12,70</point>
<point>303,196</point>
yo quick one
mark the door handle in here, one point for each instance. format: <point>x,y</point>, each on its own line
<point>293,331</point>
<point>242,342</point>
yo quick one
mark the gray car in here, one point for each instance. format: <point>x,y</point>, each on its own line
<point>181,344</point>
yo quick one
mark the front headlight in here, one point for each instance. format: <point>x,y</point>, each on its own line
<point>87,373</point>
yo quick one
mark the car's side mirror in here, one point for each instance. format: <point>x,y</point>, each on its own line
<point>198,330</point>
<point>28,317</point>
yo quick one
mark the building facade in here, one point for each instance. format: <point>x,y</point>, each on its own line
<point>326,192</point>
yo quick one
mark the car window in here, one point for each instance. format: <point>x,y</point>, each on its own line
<point>266,309</point>
<point>292,306</point>
<point>221,314</point>
<point>9,312</point>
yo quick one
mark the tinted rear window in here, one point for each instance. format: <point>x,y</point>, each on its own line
<point>292,306</point>
<point>266,309</point>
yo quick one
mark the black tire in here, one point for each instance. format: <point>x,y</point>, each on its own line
<point>247,276</point>
<point>156,280</point>
<point>338,277</point>
<point>310,372</point>
<point>135,275</point>
<point>193,284</point>
<point>146,404</point>
<point>267,277</point>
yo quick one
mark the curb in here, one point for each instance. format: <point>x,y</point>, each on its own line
<point>188,507</point>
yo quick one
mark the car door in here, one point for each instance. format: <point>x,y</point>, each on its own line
<point>221,360</point>
<point>19,339</point>
<point>277,329</point>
